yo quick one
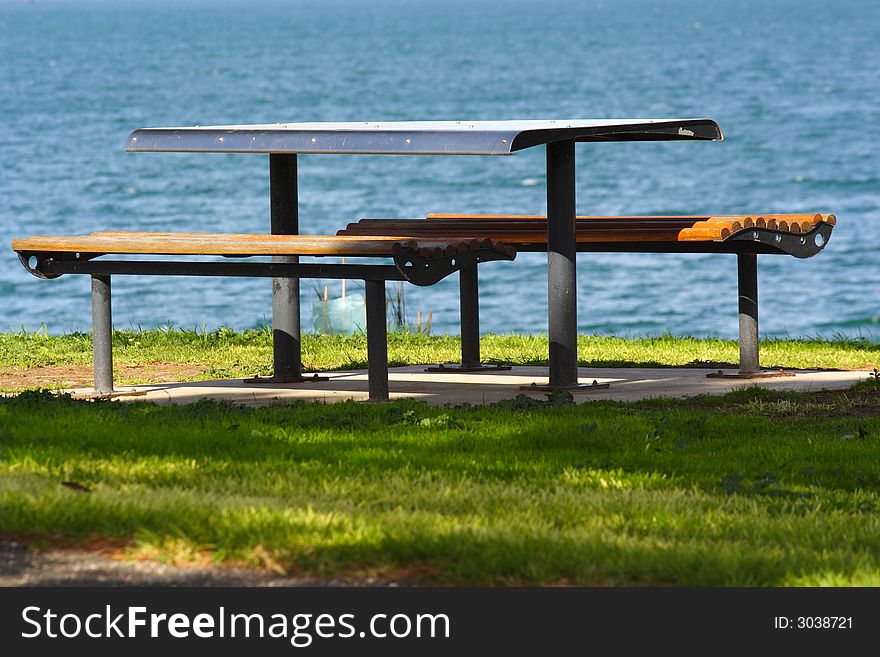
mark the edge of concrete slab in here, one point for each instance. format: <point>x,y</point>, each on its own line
<point>455,388</point>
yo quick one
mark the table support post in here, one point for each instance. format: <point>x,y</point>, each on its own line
<point>562,270</point>
<point>561,264</point>
<point>284,220</point>
<point>102,335</point>
<point>284,212</point>
<point>377,341</point>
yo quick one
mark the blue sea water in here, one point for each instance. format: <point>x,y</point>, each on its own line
<point>794,84</point>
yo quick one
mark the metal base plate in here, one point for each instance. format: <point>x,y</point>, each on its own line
<point>455,367</point>
<point>97,396</point>
<point>577,387</point>
<point>314,378</point>
<point>763,374</point>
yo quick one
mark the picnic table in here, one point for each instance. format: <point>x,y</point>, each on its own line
<point>284,141</point>
<point>425,250</point>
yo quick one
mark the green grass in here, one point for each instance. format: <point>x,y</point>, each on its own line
<point>227,353</point>
<point>753,488</point>
<point>756,488</point>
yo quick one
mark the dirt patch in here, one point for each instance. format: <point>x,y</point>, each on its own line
<point>104,563</point>
<point>80,376</point>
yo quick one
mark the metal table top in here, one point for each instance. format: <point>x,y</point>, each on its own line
<point>414,137</point>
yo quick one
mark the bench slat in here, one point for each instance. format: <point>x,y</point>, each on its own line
<point>385,227</point>
<point>222,244</point>
<point>813,217</point>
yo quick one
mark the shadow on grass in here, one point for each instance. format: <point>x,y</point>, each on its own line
<point>707,442</point>
<point>523,491</point>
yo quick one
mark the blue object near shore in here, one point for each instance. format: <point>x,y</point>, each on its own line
<point>340,315</point>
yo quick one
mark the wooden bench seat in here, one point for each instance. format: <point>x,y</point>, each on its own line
<point>240,244</point>
<point>421,261</point>
<point>799,235</point>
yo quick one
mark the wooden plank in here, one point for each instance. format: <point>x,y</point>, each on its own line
<point>704,234</point>
<point>421,227</point>
<point>811,217</point>
<point>440,216</point>
<point>529,232</point>
<point>519,237</point>
<point>221,244</point>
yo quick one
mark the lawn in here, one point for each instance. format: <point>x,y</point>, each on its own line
<point>755,488</point>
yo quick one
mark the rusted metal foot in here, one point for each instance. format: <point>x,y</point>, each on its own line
<point>457,367</point>
<point>299,378</point>
<point>761,374</point>
<point>95,395</point>
<point>577,387</point>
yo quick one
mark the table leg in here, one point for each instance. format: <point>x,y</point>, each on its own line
<point>284,209</point>
<point>284,215</point>
<point>561,263</point>
<point>562,269</point>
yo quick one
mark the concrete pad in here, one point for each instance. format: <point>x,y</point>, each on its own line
<point>627,384</point>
